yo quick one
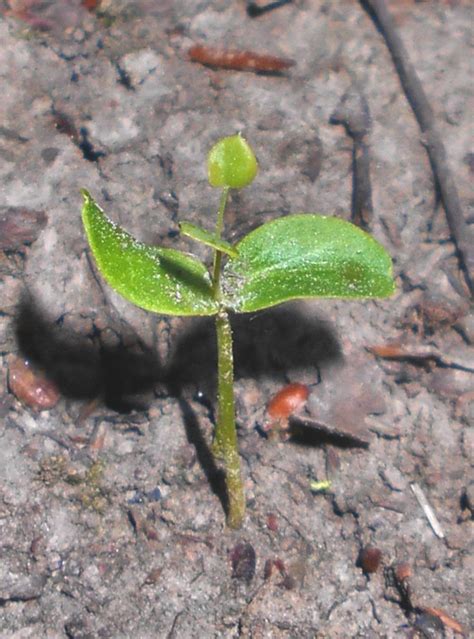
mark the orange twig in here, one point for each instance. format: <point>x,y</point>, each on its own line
<point>238,60</point>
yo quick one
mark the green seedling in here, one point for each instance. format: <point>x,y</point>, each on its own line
<point>292,257</point>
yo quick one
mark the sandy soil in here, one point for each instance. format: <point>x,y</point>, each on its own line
<point>111,514</point>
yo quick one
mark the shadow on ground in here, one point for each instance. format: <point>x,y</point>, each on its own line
<point>280,340</point>
<point>266,344</point>
<point>80,365</point>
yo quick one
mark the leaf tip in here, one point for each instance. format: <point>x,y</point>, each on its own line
<point>86,196</point>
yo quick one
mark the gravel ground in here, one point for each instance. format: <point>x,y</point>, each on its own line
<point>111,515</point>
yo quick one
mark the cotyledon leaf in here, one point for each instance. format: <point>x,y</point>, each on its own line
<point>304,256</point>
<point>157,279</point>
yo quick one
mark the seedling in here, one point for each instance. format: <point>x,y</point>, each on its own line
<point>292,257</point>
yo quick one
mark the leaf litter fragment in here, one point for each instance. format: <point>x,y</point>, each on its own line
<point>447,621</point>
<point>339,408</point>
<point>237,60</point>
<point>422,353</point>
<point>427,619</point>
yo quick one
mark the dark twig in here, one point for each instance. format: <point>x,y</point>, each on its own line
<point>353,112</point>
<point>461,233</point>
<point>254,10</point>
<point>172,633</point>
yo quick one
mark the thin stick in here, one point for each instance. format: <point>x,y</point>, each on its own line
<point>353,112</point>
<point>460,231</point>
<point>429,513</point>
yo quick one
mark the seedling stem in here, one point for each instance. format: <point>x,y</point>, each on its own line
<point>225,440</point>
<point>224,445</point>
<point>216,270</point>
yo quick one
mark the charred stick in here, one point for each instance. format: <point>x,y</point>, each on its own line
<point>362,209</point>
<point>353,113</point>
<point>254,10</point>
<point>461,233</point>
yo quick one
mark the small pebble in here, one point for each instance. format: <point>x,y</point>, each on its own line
<point>153,576</point>
<point>430,626</point>
<point>402,571</point>
<point>137,498</point>
<point>289,582</point>
<point>272,522</point>
<point>154,495</point>
<point>31,387</point>
<point>369,559</point>
<point>243,560</point>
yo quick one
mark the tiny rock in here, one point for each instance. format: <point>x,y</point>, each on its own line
<point>272,522</point>
<point>153,576</point>
<point>243,560</point>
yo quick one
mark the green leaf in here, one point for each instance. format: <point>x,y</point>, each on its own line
<point>157,279</point>
<point>232,163</point>
<point>303,256</point>
<point>201,235</point>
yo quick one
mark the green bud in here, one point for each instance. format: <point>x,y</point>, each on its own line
<point>232,163</point>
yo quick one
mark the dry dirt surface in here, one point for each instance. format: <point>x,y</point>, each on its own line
<point>111,511</point>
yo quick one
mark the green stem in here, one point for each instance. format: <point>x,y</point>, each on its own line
<point>225,441</point>
<point>216,269</point>
<point>224,445</point>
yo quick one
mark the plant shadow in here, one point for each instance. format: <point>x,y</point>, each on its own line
<point>267,344</point>
<point>214,475</point>
<point>83,368</point>
<point>282,340</point>
<point>310,437</point>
